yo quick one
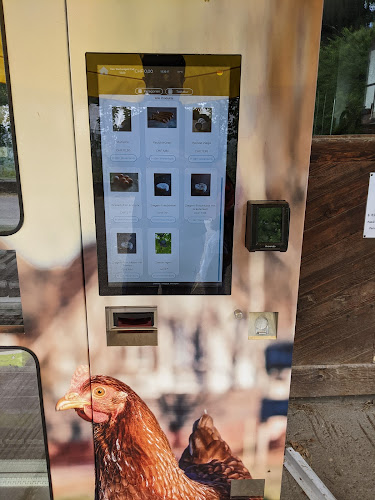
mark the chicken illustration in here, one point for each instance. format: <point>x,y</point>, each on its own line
<point>134,460</point>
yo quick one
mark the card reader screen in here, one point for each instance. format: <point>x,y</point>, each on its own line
<point>269,225</point>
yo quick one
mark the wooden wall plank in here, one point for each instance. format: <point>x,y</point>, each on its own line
<point>339,285</point>
<point>349,338</point>
<point>336,313</point>
<point>334,380</point>
<point>346,148</point>
<point>315,270</point>
<point>323,175</point>
<point>325,234</point>
<point>332,204</point>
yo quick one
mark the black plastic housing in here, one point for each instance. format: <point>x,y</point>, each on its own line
<point>277,231</point>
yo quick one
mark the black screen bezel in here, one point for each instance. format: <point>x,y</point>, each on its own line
<point>164,288</point>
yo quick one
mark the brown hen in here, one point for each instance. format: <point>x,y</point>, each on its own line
<point>134,460</point>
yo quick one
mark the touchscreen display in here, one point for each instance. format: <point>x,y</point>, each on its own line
<point>164,142</point>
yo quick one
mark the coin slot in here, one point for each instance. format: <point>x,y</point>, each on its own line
<point>133,320</point>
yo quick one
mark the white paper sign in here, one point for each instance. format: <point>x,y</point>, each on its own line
<point>369,229</point>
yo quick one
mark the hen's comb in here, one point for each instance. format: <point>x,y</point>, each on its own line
<point>80,376</point>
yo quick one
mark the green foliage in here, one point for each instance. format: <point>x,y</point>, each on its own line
<point>163,243</point>
<point>342,80</point>
<point>339,14</point>
<point>269,225</point>
<point>7,170</point>
<point>3,95</point>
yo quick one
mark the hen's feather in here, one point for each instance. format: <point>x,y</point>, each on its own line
<point>209,460</point>
<point>134,460</point>
<point>80,376</point>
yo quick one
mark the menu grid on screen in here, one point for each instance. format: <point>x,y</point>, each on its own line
<point>164,139</point>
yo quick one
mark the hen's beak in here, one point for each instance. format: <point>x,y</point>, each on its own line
<point>71,401</point>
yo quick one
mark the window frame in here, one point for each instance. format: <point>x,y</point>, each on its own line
<point>12,126</point>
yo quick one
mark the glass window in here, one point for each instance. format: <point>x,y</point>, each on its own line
<point>24,473</point>
<point>11,214</point>
<point>11,320</point>
<point>345,96</point>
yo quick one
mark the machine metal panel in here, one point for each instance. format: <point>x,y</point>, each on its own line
<point>203,351</point>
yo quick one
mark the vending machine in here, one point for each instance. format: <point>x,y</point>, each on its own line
<point>161,156</point>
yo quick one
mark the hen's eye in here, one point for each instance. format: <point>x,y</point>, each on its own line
<point>99,392</point>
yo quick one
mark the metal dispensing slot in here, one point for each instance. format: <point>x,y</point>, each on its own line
<point>131,326</point>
